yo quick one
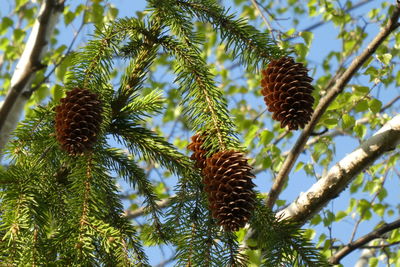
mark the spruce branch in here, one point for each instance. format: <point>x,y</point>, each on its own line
<point>134,78</point>
<point>249,45</point>
<point>168,13</point>
<point>343,172</point>
<point>205,103</point>
<point>281,241</point>
<point>28,65</point>
<point>83,243</point>
<point>93,64</point>
<point>152,147</point>
<point>134,75</point>
<point>377,233</point>
<point>134,175</point>
<point>332,92</point>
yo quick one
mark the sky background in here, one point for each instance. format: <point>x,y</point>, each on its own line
<point>324,41</point>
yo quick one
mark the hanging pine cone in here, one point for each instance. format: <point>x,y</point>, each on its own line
<point>287,92</point>
<point>228,182</point>
<point>199,153</point>
<point>78,119</point>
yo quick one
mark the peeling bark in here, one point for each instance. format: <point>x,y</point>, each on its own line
<point>29,63</point>
<point>343,172</point>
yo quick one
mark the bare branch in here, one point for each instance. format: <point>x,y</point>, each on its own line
<point>269,26</point>
<point>366,254</point>
<point>28,65</point>
<point>322,22</point>
<point>335,259</point>
<point>332,93</point>
<point>340,175</point>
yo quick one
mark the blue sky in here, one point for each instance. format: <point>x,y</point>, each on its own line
<point>324,42</point>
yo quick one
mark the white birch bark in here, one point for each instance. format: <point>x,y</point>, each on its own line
<point>30,62</point>
<point>343,172</point>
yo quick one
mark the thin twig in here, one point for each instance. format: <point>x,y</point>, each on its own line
<point>322,22</point>
<point>69,49</point>
<point>269,26</point>
<point>142,211</point>
<point>335,259</point>
<point>332,93</point>
<point>371,202</point>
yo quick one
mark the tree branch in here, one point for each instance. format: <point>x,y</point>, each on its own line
<point>322,22</point>
<point>28,65</point>
<point>335,259</point>
<point>141,211</point>
<point>332,93</point>
<point>340,175</point>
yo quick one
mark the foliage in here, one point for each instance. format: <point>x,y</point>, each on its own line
<point>177,68</point>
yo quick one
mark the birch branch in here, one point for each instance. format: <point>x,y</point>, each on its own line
<point>332,93</point>
<point>28,65</point>
<point>335,259</point>
<point>340,175</point>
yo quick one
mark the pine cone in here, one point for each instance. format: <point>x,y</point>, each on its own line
<point>287,92</point>
<point>78,119</point>
<point>199,153</point>
<point>227,179</point>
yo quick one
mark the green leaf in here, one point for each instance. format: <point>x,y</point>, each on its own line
<point>69,17</point>
<point>266,137</point>
<point>361,89</point>
<point>20,3</point>
<point>340,215</point>
<point>373,262</point>
<point>335,105</point>
<point>299,166</point>
<point>375,105</point>
<point>361,106</point>
<point>331,123</point>
<point>57,92</point>
<point>301,49</point>
<point>267,162</point>
<point>250,135</point>
<point>360,130</point>
<point>6,23</point>
<point>347,121</point>
<point>308,37</point>
<point>379,209</point>
<point>385,58</point>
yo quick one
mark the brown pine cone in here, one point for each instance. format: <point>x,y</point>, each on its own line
<point>78,119</point>
<point>287,89</point>
<point>228,183</point>
<point>199,153</point>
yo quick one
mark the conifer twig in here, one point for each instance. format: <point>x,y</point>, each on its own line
<point>28,65</point>
<point>332,93</point>
<point>335,259</point>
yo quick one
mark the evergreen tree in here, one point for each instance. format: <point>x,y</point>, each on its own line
<point>60,204</point>
<point>59,200</point>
